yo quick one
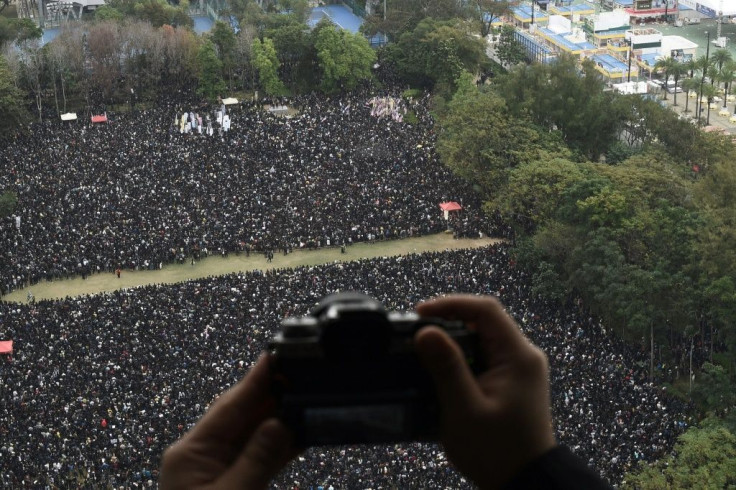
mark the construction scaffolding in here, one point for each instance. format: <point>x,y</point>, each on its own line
<point>52,13</point>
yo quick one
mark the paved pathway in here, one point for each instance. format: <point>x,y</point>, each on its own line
<point>716,120</point>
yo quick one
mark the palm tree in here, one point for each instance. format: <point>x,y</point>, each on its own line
<point>701,64</point>
<point>720,57</point>
<point>688,85</point>
<point>709,91</point>
<point>691,66</point>
<point>727,77</point>
<point>713,73</point>
<point>676,70</point>
<point>663,65</point>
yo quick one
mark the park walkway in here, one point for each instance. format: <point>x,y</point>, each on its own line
<point>217,266</point>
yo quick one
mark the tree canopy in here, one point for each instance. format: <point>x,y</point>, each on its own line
<point>267,65</point>
<point>18,30</point>
<point>11,99</point>
<point>705,457</point>
<point>345,59</point>
<point>435,53</point>
<point>631,238</point>
<point>211,85</point>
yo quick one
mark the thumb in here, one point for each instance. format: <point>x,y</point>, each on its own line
<point>443,358</point>
<point>269,449</point>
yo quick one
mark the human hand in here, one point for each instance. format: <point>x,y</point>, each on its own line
<point>492,425</point>
<point>237,444</point>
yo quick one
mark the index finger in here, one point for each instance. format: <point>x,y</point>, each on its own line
<point>499,334</point>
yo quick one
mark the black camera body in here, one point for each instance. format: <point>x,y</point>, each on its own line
<point>347,373</point>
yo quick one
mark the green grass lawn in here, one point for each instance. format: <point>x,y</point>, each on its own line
<point>217,266</point>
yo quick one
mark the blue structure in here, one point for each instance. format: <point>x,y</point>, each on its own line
<point>49,34</point>
<point>202,24</point>
<point>536,51</point>
<point>523,14</point>
<point>609,62</point>
<point>649,59</point>
<point>613,68</point>
<point>339,15</point>
<point>343,18</point>
<point>563,44</point>
<point>569,10</point>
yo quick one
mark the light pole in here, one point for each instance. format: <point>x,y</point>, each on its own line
<point>702,79</point>
<point>530,26</point>
<point>692,339</point>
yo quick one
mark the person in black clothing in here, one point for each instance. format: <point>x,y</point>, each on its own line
<point>495,428</point>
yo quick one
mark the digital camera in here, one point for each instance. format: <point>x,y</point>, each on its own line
<point>348,373</point>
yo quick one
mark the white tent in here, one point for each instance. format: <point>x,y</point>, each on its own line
<point>69,116</point>
<point>230,101</point>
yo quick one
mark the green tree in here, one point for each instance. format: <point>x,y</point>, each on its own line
<point>720,57</point>
<point>12,30</point>
<point>676,71</point>
<point>704,457</point>
<point>481,141</point>
<point>223,37</point>
<point>159,13</point>
<point>435,54</point>
<point>727,76</point>
<point>345,59</point>
<point>622,237</point>
<point>689,85</point>
<point>106,12</point>
<point>485,12</point>
<point>402,16</point>
<point>619,151</point>
<point>508,49</point>
<point>663,66</point>
<point>715,198</point>
<point>588,119</point>
<point>296,54</point>
<point>11,100</point>
<point>709,93</point>
<point>720,296</point>
<point>535,190</point>
<point>266,64</point>
<point>702,65</point>
<point>211,84</point>
<point>33,68</point>
<point>714,390</point>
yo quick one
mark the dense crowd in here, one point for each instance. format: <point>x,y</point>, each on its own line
<point>98,386</point>
<point>140,191</point>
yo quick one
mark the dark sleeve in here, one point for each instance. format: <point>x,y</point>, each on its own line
<point>556,469</point>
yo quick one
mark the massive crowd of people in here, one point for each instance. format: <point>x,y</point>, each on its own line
<point>98,386</point>
<point>138,192</point>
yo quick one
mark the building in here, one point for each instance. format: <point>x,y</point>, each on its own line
<point>536,50</point>
<point>563,37</point>
<point>607,28</point>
